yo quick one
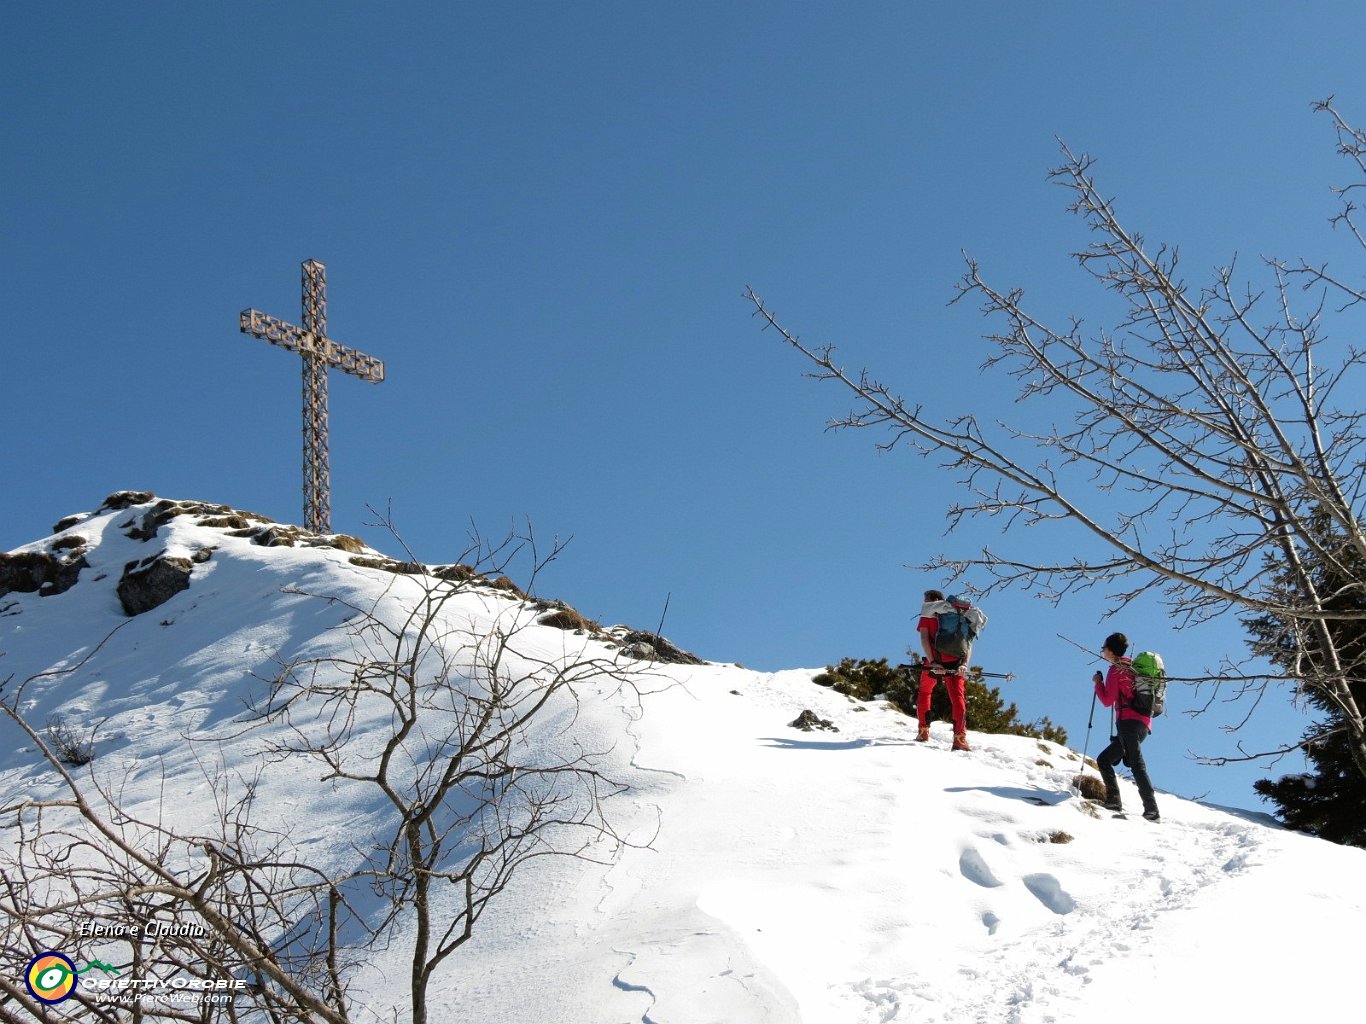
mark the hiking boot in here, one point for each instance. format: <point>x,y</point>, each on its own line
<point>923,735</point>
<point>1112,804</point>
<point>1152,815</point>
<point>960,741</point>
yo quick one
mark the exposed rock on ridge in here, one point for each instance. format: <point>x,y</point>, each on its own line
<point>152,582</point>
<point>147,583</point>
<point>44,572</point>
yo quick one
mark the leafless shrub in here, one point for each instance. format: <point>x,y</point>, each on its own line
<point>71,748</point>
<point>434,717</point>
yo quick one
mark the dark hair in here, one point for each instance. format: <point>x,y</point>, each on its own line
<point>933,595</point>
<point>1117,644</point>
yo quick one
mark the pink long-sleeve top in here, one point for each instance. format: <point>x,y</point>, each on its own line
<point>1118,687</point>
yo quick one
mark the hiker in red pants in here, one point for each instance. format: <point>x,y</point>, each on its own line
<point>936,667</point>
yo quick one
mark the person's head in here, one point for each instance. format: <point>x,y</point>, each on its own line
<point>933,595</point>
<point>1116,644</point>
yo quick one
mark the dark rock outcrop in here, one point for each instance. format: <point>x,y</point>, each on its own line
<point>67,523</point>
<point>120,500</point>
<point>146,527</point>
<point>43,572</point>
<point>259,529</point>
<point>152,582</point>
<point>392,565</point>
<point>809,721</point>
<point>653,647</point>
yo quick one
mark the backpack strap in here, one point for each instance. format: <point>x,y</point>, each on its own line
<point>1128,665</point>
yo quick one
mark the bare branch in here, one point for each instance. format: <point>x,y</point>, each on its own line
<point>1204,451</point>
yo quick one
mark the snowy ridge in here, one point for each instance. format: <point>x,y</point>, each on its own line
<point>769,875</point>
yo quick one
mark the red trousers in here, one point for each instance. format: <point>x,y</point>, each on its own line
<point>957,686</point>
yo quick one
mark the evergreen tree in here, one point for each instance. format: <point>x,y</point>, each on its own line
<point>1330,801</point>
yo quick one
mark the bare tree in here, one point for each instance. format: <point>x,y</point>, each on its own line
<point>212,909</point>
<point>1212,440</point>
<point>429,709</point>
<point>471,802</point>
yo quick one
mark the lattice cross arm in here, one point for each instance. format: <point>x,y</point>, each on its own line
<point>296,339</point>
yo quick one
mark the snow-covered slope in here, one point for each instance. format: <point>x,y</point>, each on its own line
<point>767,874</point>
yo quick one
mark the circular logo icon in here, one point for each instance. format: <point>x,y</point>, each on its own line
<point>51,977</point>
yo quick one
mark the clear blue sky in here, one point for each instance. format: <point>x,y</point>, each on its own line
<point>542,217</point>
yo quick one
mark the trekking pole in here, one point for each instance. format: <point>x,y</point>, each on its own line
<point>1076,786</point>
<point>975,673</point>
<point>1089,722</point>
<point>1080,647</point>
<point>1091,718</point>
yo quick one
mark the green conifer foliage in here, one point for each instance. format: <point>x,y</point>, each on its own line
<point>866,680</point>
<point>1330,801</point>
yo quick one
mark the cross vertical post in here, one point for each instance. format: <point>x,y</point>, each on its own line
<point>317,468</point>
<point>319,353</point>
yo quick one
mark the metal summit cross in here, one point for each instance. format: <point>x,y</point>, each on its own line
<point>319,352</point>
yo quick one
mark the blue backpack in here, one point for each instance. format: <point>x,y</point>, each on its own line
<point>959,624</point>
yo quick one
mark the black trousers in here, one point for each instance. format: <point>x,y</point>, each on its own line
<point>1127,747</point>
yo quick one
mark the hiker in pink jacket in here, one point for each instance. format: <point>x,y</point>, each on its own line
<point>1116,690</point>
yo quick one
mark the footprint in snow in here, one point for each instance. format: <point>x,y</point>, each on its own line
<point>1049,891</point>
<point>975,869</point>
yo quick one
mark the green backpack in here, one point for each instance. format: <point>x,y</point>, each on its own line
<point>1150,684</point>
